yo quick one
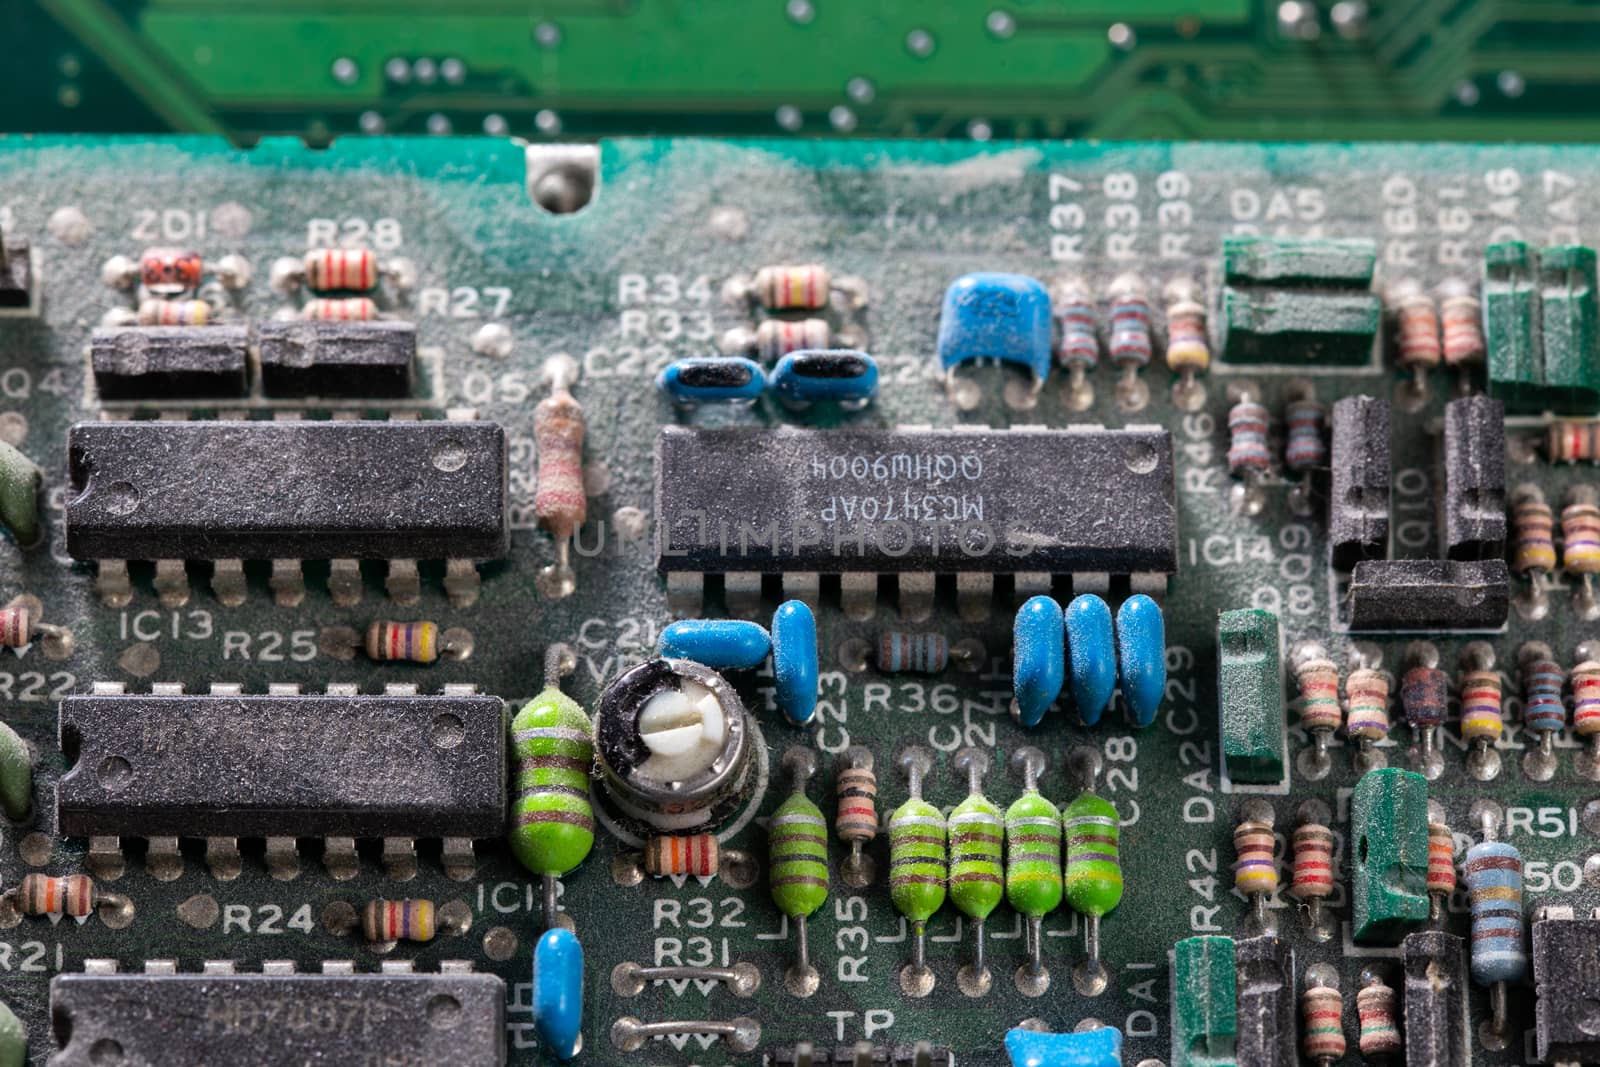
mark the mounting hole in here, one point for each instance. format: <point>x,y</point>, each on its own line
<point>115,773</point>
<point>105,1051</point>
<point>562,178</point>
<point>449,456</point>
<point>444,1011</point>
<point>448,731</point>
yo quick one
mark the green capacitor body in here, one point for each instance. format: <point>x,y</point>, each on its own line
<point>1306,299</point>
<point>1389,849</point>
<point>977,844</point>
<point>1250,704</point>
<point>552,820</point>
<point>1094,858</point>
<point>797,842</point>
<point>918,863</point>
<point>1033,855</point>
<point>13,1039</point>
<point>16,775</point>
<point>20,479</point>
<point>1541,318</point>
<point>1205,1020</point>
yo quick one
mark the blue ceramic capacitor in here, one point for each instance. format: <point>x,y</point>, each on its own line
<point>721,644</point>
<point>1142,657</point>
<point>720,380</point>
<point>1100,1047</point>
<point>989,315</point>
<point>1038,659</point>
<point>1091,656</point>
<point>840,374</point>
<point>794,661</point>
<point>558,991</point>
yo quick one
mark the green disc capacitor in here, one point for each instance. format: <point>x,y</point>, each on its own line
<point>918,862</point>
<point>1094,861</point>
<point>552,820</point>
<point>798,842</point>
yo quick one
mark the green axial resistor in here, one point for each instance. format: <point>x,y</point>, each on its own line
<point>1033,864</point>
<point>977,875</point>
<point>918,867</point>
<point>1094,870</point>
<point>552,820</point>
<point>797,840</point>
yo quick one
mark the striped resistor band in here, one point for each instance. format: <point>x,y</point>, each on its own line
<point>776,338</point>
<point>339,309</point>
<point>1079,346</point>
<point>918,860</point>
<point>1129,342</point>
<point>1494,891</point>
<point>977,845</point>
<point>1247,438</point>
<point>919,653</point>
<point>1460,319</point>
<point>1573,442</point>
<point>1318,681</point>
<point>552,816</point>
<point>1418,321</point>
<point>1313,861</point>
<point>785,288</point>
<point>1481,717</point>
<point>695,854</point>
<point>797,842</point>
<point>558,431</point>
<point>341,268</point>
<point>1424,691</point>
<point>1093,875</point>
<point>16,627</point>
<point>1307,445</point>
<point>416,642</point>
<point>1379,1031</point>
<point>857,815</point>
<point>1253,870</point>
<point>1534,533</point>
<point>1580,536</point>
<point>1033,855</point>
<point>1441,859</point>
<point>1586,698</point>
<point>43,894</point>
<point>1542,708</point>
<point>1322,1007</point>
<point>174,313</point>
<point>1187,345</point>
<point>1368,692</point>
<point>398,920</point>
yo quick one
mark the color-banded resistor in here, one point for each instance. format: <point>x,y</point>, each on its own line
<point>1141,657</point>
<point>1461,322</point>
<point>1482,720</point>
<point>1580,545</point>
<point>1367,714</point>
<point>43,894</point>
<point>1534,552</point>
<point>1322,1009</point>
<point>1038,658</point>
<point>1441,880</point>
<point>335,269</point>
<point>1312,870</point>
<point>1417,329</point>
<point>398,920</point>
<point>1569,441</point>
<point>1255,874</point>
<point>977,873</point>
<point>1543,712</point>
<point>416,642</point>
<point>1378,1033</point>
<point>1424,693</point>
<point>792,288</point>
<point>16,626</point>
<point>1093,879</point>
<point>1248,457</point>
<point>912,653</point>
<point>1586,713</point>
<point>552,819</point>
<point>1188,348</point>
<point>776,338</point>
<point>339,309</point>
<point>559,500</point>
<point>1078,346</point>
<point>1129,344</point>
<point>856,819</point>
<point>190,312</point>
<point>668,857</point>
<point>1317,677</point>
<point>170,271</point>
<point>1034,883</point>
<point>918,867</point>
<point>1306,447</point>
<point>797,842</point>
<point>1493,872</point>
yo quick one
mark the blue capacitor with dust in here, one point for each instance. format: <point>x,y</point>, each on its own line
<point>1091,656</point>
<point>1142,657</point>
<point>817,374</point>
<point>721,644</point>
<point>1038,658</point>
<point>721,380</point>
<point>1100,1047</point>
<point>558,991</point>
<point>794,661</point>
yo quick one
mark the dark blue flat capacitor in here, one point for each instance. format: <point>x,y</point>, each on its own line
<point>817,374</point>
<point>1091,656</point>
<point>996,316</point>
<point>1038,659</point>
<point>720,380</point>
<point>558,991</point>
<point>721,644</point>
<point>1142,657</point>
<point>794,661</point>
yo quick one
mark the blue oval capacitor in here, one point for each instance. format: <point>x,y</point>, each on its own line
<point>721,380</point>
<point>1038,659</point>
<point>794,660</point>
<point>558,991</point>
<point>816,374</point>
<point>721,644</point>
<point>1100,1047</point>
<point>989,315</point>
<point>1142,657</point>
<point>1091,656</point>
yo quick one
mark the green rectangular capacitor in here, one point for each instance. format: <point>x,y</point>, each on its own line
<point>1389,850</point>
<point>1567,314</point>
<point>1250,696</point>
<point>1298,301</point>
<point>1292,261</point>
<point>1204,1007</point>
<point>1541,321</point>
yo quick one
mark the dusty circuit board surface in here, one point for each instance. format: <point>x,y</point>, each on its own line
<point>635,280</point>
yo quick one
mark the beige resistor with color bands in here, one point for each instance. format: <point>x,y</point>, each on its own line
<point>696,854</point>
<point>174,313</point>
<point>42,894</point>
<point>558,429</point>
<point>793,288</point>
<point>398,920</point>
<point>341,268</point>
